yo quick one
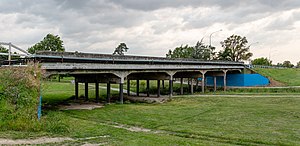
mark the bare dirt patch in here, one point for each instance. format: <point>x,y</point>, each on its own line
<point>162,99</point>
<point>45,140</point>
<point>81,106</point>
<point>41,140</point>
<point>274,83</point>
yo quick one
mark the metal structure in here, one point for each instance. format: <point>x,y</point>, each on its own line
<point>9,54</point>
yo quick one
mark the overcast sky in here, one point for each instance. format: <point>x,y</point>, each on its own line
<point>152,27</point>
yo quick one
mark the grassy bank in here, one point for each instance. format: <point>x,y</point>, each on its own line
<point>189,120</point>
<point>288,76</point>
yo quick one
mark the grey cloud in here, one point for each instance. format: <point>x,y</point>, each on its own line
<point>283,23</point>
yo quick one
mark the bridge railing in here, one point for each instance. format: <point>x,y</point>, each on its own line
<point>263,66</point>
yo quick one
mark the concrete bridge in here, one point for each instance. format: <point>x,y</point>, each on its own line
<point>113,69</point>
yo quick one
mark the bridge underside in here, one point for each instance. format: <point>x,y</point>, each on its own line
<point>113,69</point>
<point>120,77</point>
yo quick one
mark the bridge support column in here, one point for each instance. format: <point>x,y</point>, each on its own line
<point>181,86</point>
<point>203,81</point>
<point>158,88</point>
<point>86,90</point>
<point>121,93</point>
<point>225,79</point>
<point>137,87</point>
<point>215,83</point>
<point>148,88</point>
<point>128,87</point>
<point>171,86</point>
<point>108,93</point>
<point>76,90</point>
<point>192,86</point>
<point>97,91</point>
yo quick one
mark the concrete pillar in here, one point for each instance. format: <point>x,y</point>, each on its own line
<point>108,93</point>
<point>58,76</point>
<point>148,88</point>
<point>203,81</point>
<point>121,92</point>
<point>171,86</point>
<point>128,87</point>
<point>76,90</point>
<point>215,83</point>
<point>137,87</point>
<point>158,88</point>
<point>197,83</point>
<point>192,86</point>
<point>86,90</point>
<point>189,84</point>
<point>181,86</point>
<point>225,80</point>
<point>97,91</point>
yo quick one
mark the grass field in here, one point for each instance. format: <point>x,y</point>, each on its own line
<point>186,120</point>
<point>288,76</point>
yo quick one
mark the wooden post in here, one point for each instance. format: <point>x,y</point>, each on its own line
<point>163,84</point>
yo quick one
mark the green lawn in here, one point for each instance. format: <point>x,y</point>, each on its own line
<point>288,76</point>
<point>186,120</point>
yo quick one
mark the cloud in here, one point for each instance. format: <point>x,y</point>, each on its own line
<point>152,27</point>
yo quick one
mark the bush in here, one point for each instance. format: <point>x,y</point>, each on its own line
<point>19,94</point>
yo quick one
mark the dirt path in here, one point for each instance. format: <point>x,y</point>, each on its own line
<point>45,140</point>
<point>241,95</point>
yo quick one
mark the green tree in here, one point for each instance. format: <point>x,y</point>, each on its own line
<point>262,61</point>
<point>235,49</point>
<point>287,64</point>
<point>181,52</point>
<point>298,64</point>
<point>3,50</point>
<point>49,43</point>
<point>199,51</point>
<point>203,52</point>
<point>121,49</point>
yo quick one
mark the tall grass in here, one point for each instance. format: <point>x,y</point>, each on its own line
<point>19,97</point>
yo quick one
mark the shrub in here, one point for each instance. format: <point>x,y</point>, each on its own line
<point>19,93</point>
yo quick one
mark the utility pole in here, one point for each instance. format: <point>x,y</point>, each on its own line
<point>211,36</point>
